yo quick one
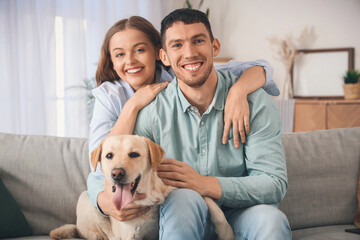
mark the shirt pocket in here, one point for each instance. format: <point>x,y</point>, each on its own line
<point>230,160</point>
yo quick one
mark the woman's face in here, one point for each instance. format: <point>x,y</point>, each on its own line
<point>133,56</point>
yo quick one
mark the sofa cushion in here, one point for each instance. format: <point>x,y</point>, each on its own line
<point>323,171</point>
<point>12,220</point>
<point>336,232</point>
<point>45,175</point>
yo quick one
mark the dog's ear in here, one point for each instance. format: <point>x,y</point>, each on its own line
<point>156,153</point>
<point>96,155</point>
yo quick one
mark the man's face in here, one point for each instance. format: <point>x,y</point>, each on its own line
<point>189,51</point>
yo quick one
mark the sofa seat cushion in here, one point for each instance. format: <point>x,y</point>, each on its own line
<point>336,232</point>
<point>323,168</point>
<point>45,175</point>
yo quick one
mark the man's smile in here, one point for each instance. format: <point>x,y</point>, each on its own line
<point>193,67</point>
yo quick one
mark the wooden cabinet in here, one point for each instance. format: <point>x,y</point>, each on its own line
<point>326,114</point>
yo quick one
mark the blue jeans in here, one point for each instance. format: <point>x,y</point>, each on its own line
<point>184,215</point>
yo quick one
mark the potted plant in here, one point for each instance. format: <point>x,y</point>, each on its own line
<point>351,84</point>
<point>190,6</point>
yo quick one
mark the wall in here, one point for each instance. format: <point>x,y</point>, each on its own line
<point>243,27</point>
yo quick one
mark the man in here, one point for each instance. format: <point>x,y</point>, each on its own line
<point>186,119</point>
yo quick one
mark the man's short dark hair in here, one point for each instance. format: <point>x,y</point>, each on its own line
<point>187,16</point>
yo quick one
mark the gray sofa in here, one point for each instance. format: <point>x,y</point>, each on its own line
<point>45,175</point>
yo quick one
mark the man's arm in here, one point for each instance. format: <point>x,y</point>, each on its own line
<point>264,156</point>
<point>181,175</point>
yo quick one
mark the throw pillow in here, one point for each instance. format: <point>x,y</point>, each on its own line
<point>12,220</point>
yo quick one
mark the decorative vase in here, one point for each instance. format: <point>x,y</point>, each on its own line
<point>352,90</point>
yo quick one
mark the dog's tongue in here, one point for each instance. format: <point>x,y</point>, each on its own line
<point>122,195</point>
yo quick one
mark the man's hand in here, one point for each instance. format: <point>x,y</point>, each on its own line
<point>129,212</point>
<point>181,175</point>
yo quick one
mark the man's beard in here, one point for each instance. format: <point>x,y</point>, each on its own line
<point>195,82</point>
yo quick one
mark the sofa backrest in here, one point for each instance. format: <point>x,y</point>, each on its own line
<point>45,175</point>
<point>323,168</point>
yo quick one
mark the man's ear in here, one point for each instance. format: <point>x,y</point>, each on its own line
<point>96,155</point>
<point>156,153</point>
<point>164,58</point>
<point>216,47</point>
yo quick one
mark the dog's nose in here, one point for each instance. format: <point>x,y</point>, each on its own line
<point>118,173</point>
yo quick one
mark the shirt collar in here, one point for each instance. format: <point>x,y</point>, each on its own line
<point>219,98</point>
<point>183,101</point>
<point>218,101</point>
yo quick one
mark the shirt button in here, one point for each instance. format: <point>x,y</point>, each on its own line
<point>203,151</point>
<point>202,123</point>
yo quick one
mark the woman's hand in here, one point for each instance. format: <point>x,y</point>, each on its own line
<point>143,96</point>
<point>236,113</point>
<point>131,211</point>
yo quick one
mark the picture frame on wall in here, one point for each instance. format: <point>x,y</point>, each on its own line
<point>318,73</point>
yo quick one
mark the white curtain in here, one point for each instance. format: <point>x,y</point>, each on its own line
<point>27,67</point>
<point>47,50</point>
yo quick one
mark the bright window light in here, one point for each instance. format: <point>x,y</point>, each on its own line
<point>60,104</point>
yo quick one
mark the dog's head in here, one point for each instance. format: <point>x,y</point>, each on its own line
<point>126,160</point>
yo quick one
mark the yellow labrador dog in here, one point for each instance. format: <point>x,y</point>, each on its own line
<point>130,163</point>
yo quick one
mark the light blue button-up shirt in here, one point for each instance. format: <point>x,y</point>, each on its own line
<point>254,173</point>
<point>112,96</point>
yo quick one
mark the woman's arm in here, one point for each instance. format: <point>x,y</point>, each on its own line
<point>127,119</point>
<point>236,112</point>
<point>105,111</point>
<point>252,76</point>
<point>238,68</point>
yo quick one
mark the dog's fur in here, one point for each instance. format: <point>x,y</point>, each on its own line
<point>137,156</point>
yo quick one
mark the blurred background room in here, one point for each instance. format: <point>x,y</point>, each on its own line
<point>50,48</point>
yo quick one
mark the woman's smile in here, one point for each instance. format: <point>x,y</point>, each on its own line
<point>134,57</point>
<point>134,71</point>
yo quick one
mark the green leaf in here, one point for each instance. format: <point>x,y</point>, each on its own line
<point>200,4</point>
<point>188,4</point>
<point>351,76</point>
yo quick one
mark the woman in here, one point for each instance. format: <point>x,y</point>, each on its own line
<point>130,75</point>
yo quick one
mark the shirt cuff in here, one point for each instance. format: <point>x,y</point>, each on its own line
<point>95,186</point>
<point>227,190</point>
<point>270,86</point>
<point>101,212</point>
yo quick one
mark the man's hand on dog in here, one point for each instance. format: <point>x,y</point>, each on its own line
<point>181,175</point>
<point>127,213</point>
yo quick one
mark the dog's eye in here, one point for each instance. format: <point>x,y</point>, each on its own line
<point>134,154</point>
<point>109,155</point>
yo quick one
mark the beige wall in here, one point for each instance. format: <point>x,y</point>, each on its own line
<point>244,26</point>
